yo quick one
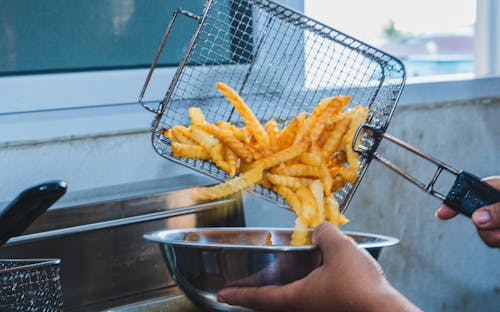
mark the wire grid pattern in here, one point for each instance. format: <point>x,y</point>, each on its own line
<point>282,63</point>
<point>30,286</point>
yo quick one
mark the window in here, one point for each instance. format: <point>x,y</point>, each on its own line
<point>73,53</point>
<point>76,35</point>
<point>65,54</point>
<point>430,37</point>
<point>91,41</point>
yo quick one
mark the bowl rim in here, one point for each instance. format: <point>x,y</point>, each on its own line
<point>165,237</point>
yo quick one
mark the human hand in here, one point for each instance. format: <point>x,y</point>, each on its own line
<point>486,219</point>
<point>348,280</point>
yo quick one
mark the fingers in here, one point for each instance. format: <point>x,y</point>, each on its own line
<point>445,213</point>
<point>268,298</point>
<point>487,219</point>
<point>493,181</point>
<point>490,237</point>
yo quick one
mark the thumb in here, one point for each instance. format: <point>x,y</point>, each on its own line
<point>329,238</point>
<point>487,218</point>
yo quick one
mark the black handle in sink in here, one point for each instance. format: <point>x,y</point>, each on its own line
<point>469,193</point>
<point>28,206</point>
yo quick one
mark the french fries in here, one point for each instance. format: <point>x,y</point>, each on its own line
<point>190,151</point>
<point>241,182</point>
<point>305,162</point>
<point>246,113</point>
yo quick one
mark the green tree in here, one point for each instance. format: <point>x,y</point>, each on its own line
<point>391,32</point>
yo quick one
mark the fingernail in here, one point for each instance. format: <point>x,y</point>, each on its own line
<point>481,217</point>
<point>221,299</point>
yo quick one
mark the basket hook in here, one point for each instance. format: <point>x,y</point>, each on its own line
<point>158,53</point>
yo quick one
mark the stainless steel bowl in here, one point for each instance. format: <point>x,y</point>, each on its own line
<point>204,260</point>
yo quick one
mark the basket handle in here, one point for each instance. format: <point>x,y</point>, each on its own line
<point>27,206</point>
<point>158,53</point>
<point>468,192</point>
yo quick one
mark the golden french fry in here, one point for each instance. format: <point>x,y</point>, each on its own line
<point>272,132</point>
<point>244,167</point>
<point>310,159</point>
<point>287,135</point>
<point>359,116</point>
<point>227,137</point>
<point>310,121</point>
<point>268,241</point>
<point>326,179</point>
<point>265,182</point>
<point>309,207</point>
<point>332,212</point>
<point>298,170</point>
<point>335,137</point>
<point>338,183</point>
<point>338,159</point>
<point>331,122</point>
<point>255,152</point>
<point>182,135</point>
<point>348,174</point>
<point>190,151</point>
<point>196,115</point>
<point>283,180</point>
<point>334,107</point>
<point>246,113</point>
<point>341,219</point>
<point>232,160</point>
<point>167,133</point>
<point>324,173</point>
<point>282,156</point>
<point>316,188</point>
<point>239,183</point>
<point>181,130</point>
<point>241,134</point>
<point>339,102</point>
<point>263,152</point>
<point>212,145</point>
<point>299,235</point>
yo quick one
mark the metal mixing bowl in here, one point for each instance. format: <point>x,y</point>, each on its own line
<point>204,260</point>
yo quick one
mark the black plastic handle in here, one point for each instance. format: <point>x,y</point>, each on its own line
<point>28,206</point>
<point>469,193</point>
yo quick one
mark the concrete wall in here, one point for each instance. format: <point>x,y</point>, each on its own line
<point>442,266</point>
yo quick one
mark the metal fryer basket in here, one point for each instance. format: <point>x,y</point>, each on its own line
<point>30,285</point>
<point>282,63</point>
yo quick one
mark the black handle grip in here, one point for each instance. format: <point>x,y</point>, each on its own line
<point>469,193</point>
<point>28,206</point>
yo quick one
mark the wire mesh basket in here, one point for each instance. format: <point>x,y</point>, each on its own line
<point>282,63</point>
<point>30,285</point>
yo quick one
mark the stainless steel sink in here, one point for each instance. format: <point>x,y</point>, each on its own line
<point>174,300</point>
<point>105,262</point>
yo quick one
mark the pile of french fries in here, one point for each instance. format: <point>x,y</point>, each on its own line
<point>305,162</point>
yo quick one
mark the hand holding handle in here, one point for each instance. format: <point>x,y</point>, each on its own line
<point>469,193</point>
